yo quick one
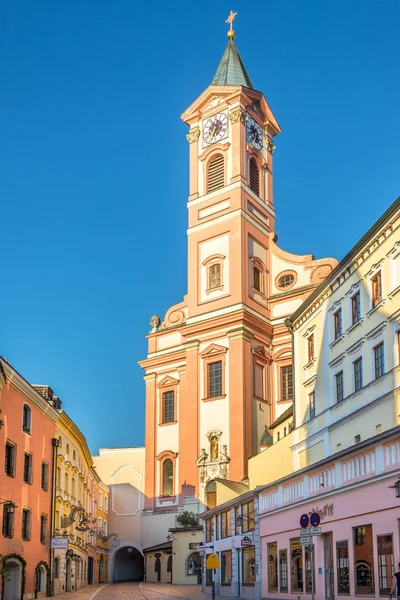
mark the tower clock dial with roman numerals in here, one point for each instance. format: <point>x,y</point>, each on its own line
<point>254,134</point>
<point>215,128</point>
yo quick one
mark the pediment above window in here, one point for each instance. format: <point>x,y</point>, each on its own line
<point>213,350</point>
<point>262,353</point>
<point>167,382</point>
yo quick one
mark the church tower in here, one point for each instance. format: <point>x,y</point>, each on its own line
<point>219,368</point>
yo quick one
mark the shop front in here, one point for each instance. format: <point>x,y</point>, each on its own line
<point>357,549</point>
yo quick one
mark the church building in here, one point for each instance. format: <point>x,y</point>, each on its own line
<point>219,367</point>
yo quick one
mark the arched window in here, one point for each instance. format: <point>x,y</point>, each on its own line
<point>67,449</point>
<point>74,455</point>
<point>211,494</point>
<point>60,442</point>
<point>157,568</point>
<point>26,419</point>
<point>254,176</point>
<point>215,276</point>
<point>169,564</point>
<point>167,477</point>
<point>257,278</point>
<point>193,563</point>
<point>215,173</point>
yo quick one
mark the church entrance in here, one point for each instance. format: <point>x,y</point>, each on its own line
<point>12,580</point>
<point>128,565</point>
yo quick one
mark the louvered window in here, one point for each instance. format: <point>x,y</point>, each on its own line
<point>257,279</point>
<point>215,175</point>
<point>215,276</point>
<point>254,176</point>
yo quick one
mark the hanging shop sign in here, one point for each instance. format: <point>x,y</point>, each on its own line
<point>246,541</point>
<point>59,543</point>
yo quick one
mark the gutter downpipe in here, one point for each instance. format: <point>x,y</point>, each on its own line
<point>55,443</point>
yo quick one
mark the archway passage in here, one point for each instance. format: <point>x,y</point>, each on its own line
<point>128,565</point>
<point>12,580</point>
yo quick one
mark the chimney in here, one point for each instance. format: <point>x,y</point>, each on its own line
<point>48,395</point>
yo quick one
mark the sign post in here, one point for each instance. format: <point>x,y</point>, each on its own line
<point>213,563</point>
<point>310,527</point>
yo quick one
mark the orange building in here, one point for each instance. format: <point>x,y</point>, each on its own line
<point>27,428</point>
<point>219,366</point>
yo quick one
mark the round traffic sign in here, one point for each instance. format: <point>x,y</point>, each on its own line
<point>315,519</point>
<point>304,520</point>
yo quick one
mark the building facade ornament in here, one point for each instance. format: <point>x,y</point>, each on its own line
<point>269,144</point>
<point>154,323</point>
<point>193,135</point>
<point>213,464</point>
<point>238,114</point>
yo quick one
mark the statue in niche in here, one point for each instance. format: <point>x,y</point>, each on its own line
<point>214,448</point>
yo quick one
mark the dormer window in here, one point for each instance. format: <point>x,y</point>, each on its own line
<point>254,176</point>
<point>215,173</point>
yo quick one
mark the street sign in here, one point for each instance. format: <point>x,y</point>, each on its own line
<point>315,530</point>
<point>315,519</point>
<point>305,540</point>
<point>305,532</point>
<point>212,561</point>
<point>59,543</point>
<point>304,520</point>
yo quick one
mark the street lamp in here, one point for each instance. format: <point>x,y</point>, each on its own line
<point>240,518</point>
<point>396,487</point>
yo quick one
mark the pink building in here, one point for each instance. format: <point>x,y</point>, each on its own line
<point>26,455</point>
<point>358,549</point>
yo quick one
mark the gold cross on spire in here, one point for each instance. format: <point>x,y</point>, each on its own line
<point>231,33</point>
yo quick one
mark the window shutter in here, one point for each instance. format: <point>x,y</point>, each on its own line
<point>254,176</point>
<point>215,276</point>
<point>259,380</point>
<point>30,469</point>
<point>215,175</point>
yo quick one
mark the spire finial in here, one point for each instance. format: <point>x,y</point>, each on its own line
<point>231,33</point>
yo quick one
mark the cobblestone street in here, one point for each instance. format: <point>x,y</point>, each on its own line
<point>135,591</point>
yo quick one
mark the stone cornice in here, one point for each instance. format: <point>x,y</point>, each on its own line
<point>352,262</point>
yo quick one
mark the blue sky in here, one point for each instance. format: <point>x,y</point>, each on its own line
<point>91,94</point>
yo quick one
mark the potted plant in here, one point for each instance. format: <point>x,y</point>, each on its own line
<point>187,519</point>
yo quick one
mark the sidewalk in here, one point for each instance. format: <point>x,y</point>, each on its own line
<point>89,592</point>
<point>186,592</point>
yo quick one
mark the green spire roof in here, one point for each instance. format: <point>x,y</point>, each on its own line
<point>231,70</point>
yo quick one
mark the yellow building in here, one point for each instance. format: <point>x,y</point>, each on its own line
<point>104,535</point>
<point>346,346</point>
<point>76,511</point>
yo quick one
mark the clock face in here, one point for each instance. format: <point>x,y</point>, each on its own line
<point>215,128</point>
<point>254,134</point>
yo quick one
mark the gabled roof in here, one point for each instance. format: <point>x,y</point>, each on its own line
<point>235,486</point>
<point>231,69</point>
<point>163,546</point>
<point>266,438</point>
<point>284,416</point>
